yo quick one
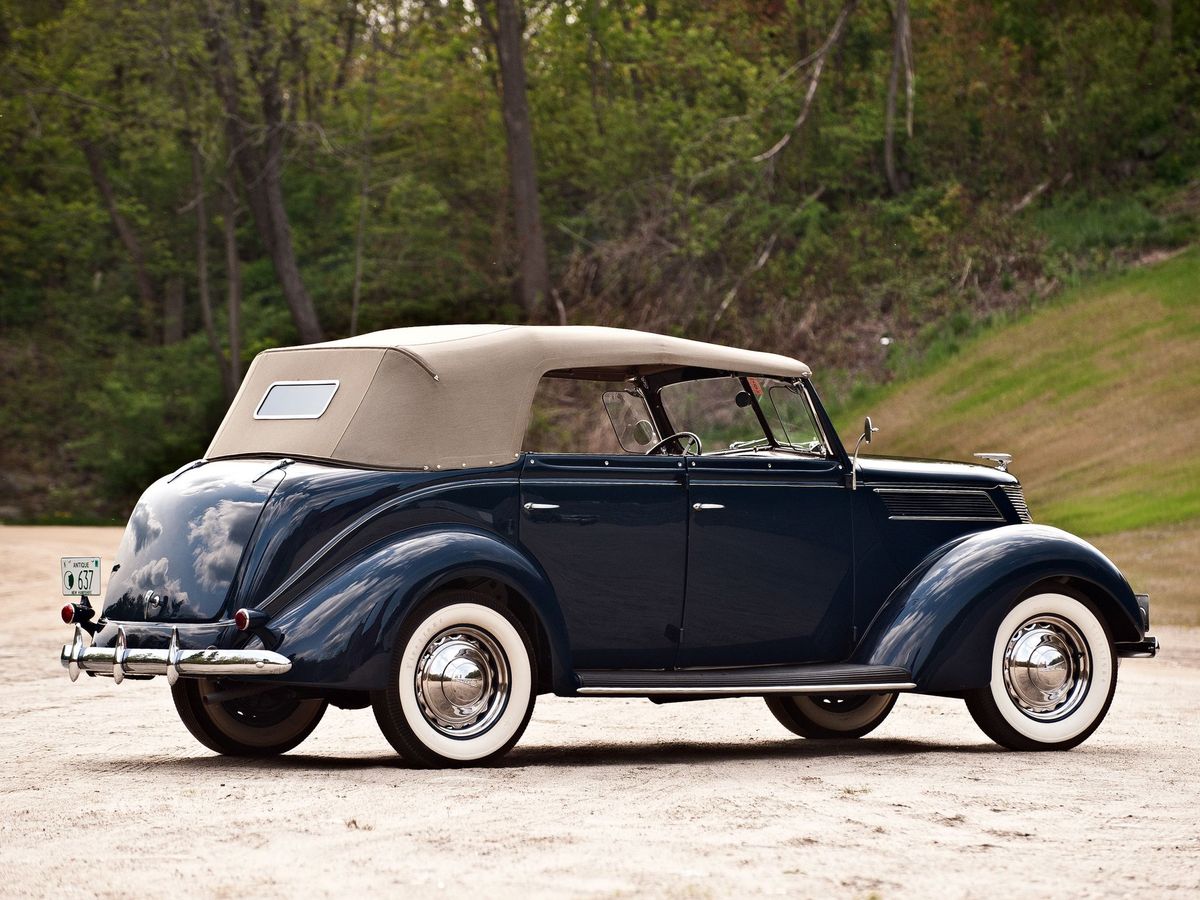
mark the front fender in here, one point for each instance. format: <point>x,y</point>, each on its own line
<point>941,622</point>
<point>340,633</point>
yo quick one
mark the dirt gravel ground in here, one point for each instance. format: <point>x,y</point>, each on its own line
<point>102,792</point>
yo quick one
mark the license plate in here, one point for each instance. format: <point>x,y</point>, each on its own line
<point>81,576</point>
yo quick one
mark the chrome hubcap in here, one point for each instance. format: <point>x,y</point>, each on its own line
<point>1047,668</point>
<point>462,681</point>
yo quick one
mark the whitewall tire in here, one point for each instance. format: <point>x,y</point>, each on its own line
<point>462,683</point>
<point>1053,672</point>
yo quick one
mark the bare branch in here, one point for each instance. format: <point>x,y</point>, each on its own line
<point>1029,198</point>
<point>486,20</point>
<point>814,81</point>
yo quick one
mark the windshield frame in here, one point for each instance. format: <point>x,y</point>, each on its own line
<point>652,385</point>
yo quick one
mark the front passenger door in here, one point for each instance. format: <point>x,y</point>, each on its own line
<point>770,564</point>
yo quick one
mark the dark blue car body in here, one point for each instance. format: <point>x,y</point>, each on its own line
<point>764,568</point>
<point>798,568</point>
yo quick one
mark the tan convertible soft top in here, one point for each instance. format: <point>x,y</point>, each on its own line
<point>448,396</point>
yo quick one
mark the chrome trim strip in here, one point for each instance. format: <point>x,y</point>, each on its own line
<point>647,690</point>
<point>767,473</point>
<point>946,519</point>
<point>322,381</point>
<point>119,660</point>
<point>533,483</point>
<point>955,492</point>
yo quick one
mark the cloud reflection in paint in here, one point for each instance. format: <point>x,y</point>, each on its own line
<point>155,576</point>
<point>217,537</point>
<point>144,527</point>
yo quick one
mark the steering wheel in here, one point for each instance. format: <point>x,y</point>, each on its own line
<point>689,437</point>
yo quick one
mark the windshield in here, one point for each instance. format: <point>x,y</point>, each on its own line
<point>717,410</point>
<point>721,411</point>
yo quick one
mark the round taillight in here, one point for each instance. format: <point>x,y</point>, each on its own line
<point>241,619</point>
<point>68,613</point>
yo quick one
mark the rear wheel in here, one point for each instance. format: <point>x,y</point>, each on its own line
<point>1053,675</point>
<point>462,684</point>
<point>826,716</point>
<point>263,723</point>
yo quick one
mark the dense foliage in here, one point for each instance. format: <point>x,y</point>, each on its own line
<point>142,139</point>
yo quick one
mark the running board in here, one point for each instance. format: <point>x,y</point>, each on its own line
<point>827,678</point>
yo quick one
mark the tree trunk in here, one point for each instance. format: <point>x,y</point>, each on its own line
<point>899,27</point>
<point>172,318</point>
<point>233,280</point>
<point>518,130</point>
<point>594,49</point>
<point>1162,23</point>
<point>261,169</point>
<point>203,290</point>
<point>360,231</point>
<point>125,233</point>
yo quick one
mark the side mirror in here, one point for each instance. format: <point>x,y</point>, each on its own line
<point>868,429</point>
<point>864,438</point>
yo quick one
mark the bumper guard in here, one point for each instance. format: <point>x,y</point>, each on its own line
<point>119,661</point>
<point>1145,648</point>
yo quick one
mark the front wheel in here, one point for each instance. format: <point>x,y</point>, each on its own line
<point>827,716</point>
<point>229,719</point>
<point>1053,675</point>
<point>462,684</point>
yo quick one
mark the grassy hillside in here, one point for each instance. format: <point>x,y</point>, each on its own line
<point>1097,395</point>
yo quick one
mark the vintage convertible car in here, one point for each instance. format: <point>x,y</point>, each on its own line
<point>375,524</point>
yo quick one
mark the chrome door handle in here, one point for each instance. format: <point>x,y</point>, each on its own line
<point>532,506</point>
<point>708,506</point>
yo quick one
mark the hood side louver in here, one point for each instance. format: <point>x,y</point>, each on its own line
<point>939,504</point>
<point>1016,496</point>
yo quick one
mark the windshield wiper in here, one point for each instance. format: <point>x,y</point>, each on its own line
<point>748,445</point>
<point>806,447</point>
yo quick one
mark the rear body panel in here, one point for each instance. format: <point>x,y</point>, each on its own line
<point>180,558</point>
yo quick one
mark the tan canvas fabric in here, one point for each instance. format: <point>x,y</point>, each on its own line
<point>448,396</point>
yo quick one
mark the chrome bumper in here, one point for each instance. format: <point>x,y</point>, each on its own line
<point>119,661</point>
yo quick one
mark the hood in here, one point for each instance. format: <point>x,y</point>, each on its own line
<point>898,469</point>
<point>181,553</point>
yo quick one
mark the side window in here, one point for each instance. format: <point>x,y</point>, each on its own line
<point>715,410</point>
<point>568,416</point>
<point>787,411</point>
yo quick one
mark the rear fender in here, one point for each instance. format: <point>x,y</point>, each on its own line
<point>941,622</point>
<point>342,631</point>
